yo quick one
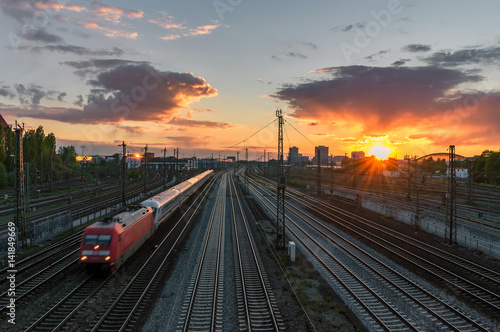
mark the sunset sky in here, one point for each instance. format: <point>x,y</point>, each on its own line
<point>411,76</point>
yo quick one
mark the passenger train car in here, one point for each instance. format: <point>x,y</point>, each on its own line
<point>107,244</point>
<point>165,203</point>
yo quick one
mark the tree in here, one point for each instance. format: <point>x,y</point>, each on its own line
<point>68,166</point>
<point>441,165</point>
<point>479,165</point>
<point>3,152</point>
<point>4,177</point>
<point>10,148</point>
<point>492,167</point>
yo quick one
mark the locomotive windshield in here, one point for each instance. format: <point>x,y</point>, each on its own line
<point>97,239</point>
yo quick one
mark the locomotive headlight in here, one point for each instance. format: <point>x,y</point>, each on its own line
<point>96,247</point>
<point>107,258</point>
<point>83,258</point>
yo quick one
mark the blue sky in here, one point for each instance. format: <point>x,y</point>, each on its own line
<point>413,76</point>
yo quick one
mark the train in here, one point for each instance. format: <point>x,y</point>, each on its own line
<point>107,244</point>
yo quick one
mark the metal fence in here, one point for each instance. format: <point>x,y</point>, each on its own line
<point>48,227</point>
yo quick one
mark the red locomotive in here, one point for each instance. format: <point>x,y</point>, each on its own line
<point>107,244</point>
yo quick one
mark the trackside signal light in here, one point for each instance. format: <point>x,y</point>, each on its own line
<point>107,258</point>
<point>83,258</point>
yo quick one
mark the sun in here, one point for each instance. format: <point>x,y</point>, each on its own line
<point>379,151</point>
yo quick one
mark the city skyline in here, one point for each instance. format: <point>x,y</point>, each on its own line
<point>383,77</point>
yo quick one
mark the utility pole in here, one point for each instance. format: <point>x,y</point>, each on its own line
<point>246,171</point>
<point>318,184</point>
<point>331,174</point>
<point>164,165</point>
<point>450,232</point>
<point>50,174</point>
<point>177,160</point>
<point>408,175</point>
<point>470,182</point>
<point>237,163</point>
<point>27,188</point>
<point>95,177</point>
<point>417,211</point>
<point>281,185</point>
<point>81,163</point>
<point>124,169</point>
<point>146,169</point>
<point>20,216</point>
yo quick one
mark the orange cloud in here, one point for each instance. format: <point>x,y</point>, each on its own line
<point>204,29</point>
<point>110,32</point>
<point>54,5</point>
<point>166,23</point>
<point>115,13</point>
<point>171,37</point>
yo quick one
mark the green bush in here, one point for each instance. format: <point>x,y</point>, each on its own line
<point>4,177</point>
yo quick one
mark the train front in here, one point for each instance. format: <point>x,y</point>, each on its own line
<point>98,249</point>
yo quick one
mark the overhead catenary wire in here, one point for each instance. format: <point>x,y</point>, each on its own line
<point>288,138</point>
<point>300,133</point>
<point>232,146</point>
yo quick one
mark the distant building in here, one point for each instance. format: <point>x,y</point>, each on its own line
<point>337,160</point>
<point>460,173</point>
<point>322,151</point>
<point>357,155</point>
<point>294,157</point>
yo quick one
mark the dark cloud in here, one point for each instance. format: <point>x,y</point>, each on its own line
<point>376,97</point>
<point>96,66</point>
<point>21,11</point>
<point>61,96</point>
<point>296,55</point>
<point>32,95</point>
<point>349,27</point>
<point>400,62</point>
<point>5,91</point>
<point>79,101</point>
<point>415,48</point>
<point>370,57</point>
<point>276,58</point>
<point>131,129</point>
<point>311,45</point>
<point>196,123</point>
<point>135,93</point>
<point>190,140</point>
<point>79,50</point>
<point>41,35</point>
<point>490,55</point>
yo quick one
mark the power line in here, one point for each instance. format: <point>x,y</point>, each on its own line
<point>301,133</point>
<point>232,146</point>
<point>288,138</point>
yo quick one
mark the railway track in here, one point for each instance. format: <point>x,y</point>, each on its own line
<point>382,295</point>
<point>40,258</point>
<point>91,204</point>
<point>123,305</point>
<point>203,308</point>
<point>479,283</point>
<point>256,306</point>
<point>205,302</point>
<point>37,280</point>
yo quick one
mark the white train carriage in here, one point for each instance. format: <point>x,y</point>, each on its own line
<point>168,201</point>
